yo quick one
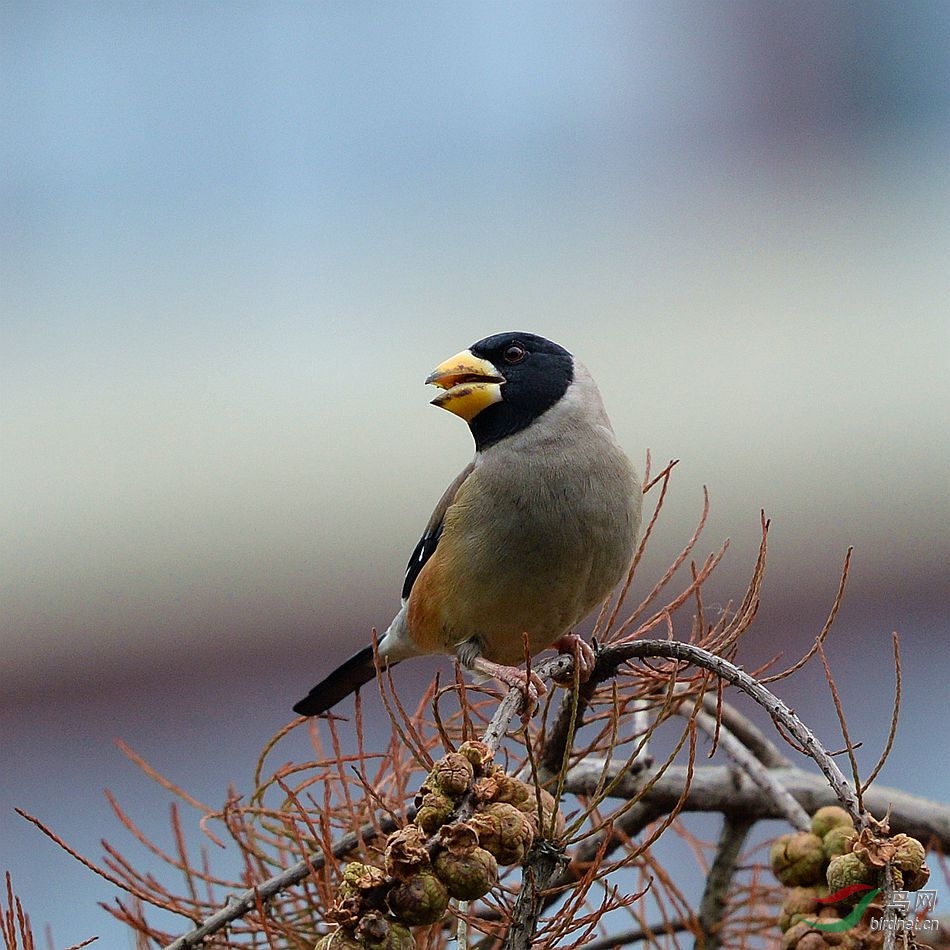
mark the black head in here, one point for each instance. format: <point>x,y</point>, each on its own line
<point>537,373</point>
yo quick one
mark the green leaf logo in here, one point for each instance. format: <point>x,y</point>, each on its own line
<point>852,919</point>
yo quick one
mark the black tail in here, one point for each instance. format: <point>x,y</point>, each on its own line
<point>358,670</point>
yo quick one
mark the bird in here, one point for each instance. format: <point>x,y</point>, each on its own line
<point>533,533</point>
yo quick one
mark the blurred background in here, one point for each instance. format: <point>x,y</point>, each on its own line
<point>235,239</point>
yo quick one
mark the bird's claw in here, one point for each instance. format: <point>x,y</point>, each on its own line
<point>584,657</point>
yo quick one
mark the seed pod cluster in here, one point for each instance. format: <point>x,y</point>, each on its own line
<point>470,818</point>
<point>828,858</point>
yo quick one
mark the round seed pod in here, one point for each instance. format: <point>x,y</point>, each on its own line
<point>359,877</point>
<point>420,899</point>
<point>848,869</point>
<point>800,901</point>
<point>376,932</point>
<point>459,838</point>
<point>851,940</point>
<point>339,939</point>
<point>452,775</point>
<point>795,933</point>
<point>837,841</point>
<point>497,786</point>
<point>831,816</point>
<point>915,880</point>
<point>433,809</point>
<point>469,875</point>
<point>478,753</point>
<point>406,851</point>
<point>346,909</point>
<point>516,793</point>
<point>504,831</point>
<point>798,859</point>
<point>549,812</point>
<point>812,941</point>
<point>909,853</point>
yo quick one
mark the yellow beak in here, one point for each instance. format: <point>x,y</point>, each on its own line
<point>471,384</point>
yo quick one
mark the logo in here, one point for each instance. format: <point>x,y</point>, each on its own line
<point>838,926</point>
<point>924,901</point>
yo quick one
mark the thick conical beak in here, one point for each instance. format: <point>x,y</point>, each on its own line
<point>471,384</point>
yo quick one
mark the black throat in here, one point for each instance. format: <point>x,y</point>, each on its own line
<point>498,421</point>
<point>535,379</point>
<point>502,419</point>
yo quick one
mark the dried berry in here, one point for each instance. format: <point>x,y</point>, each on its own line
<point>831,816</point>
<point>846,870</point>
<point>421,899</point>
<point>504,831</point>
<point>406,851</point>
<point>467,876</point>
<point>452,775</point>
<point>433,809</point>
<point>797,859</point>
<point>376,932</point>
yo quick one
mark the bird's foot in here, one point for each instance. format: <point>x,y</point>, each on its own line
<point>584,657</point>
<point>531,685</point>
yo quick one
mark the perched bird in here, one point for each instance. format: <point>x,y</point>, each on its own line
<point>534,532</point>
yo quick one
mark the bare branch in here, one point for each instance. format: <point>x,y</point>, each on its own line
<point>717,788</point>
<point>760,775</point>
<point>614,656</point>
<point>244,903</point>
<point>712,906</point>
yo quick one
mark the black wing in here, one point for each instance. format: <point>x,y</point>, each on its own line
<point>430,537</point>
<point>424,550</point>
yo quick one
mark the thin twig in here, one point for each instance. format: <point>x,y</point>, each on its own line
<point>749,735</point>
<point>614,656</point>
<point>637,935</point>
<point>845,732</point>
<point>238,906</point>
<point>825,630</point>
<point>895,715</point>
<point>796,816</point>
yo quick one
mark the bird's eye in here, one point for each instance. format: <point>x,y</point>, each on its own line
<point>514,353</point>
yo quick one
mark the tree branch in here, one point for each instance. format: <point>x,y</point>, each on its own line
<point>712,906</point>
<point>718,788</point>
<point>612,657</point>
<point>244,903</point>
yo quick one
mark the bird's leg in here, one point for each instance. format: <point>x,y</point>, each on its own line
<point>530,684</point>
<point>584,657</point>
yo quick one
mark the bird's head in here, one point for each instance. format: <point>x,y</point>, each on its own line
<point>501,384</point>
